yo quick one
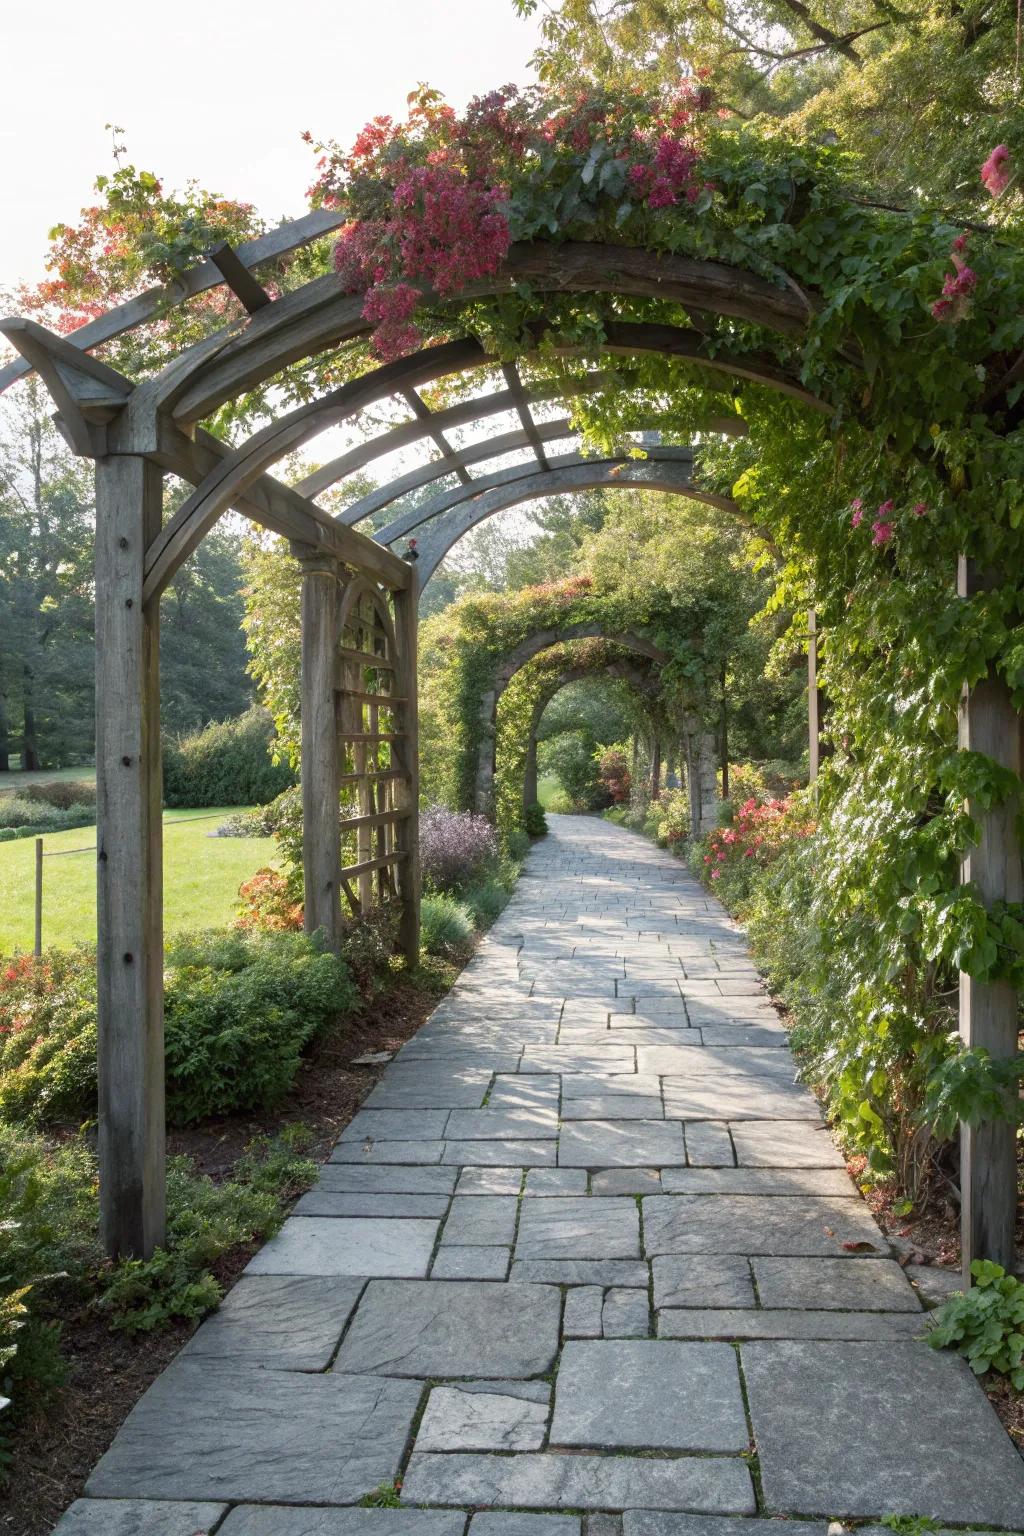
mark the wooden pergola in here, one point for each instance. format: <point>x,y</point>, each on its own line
<point>359,614</point>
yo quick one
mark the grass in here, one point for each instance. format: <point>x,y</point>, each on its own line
<point>547,785</point>
<point>201,879</point>
<point>13,782</point>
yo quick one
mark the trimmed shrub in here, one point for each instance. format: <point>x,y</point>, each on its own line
<point>446,926</point>
<point>239,1008</point>
<point>228,763</point>
<point>62,794</point>
<point>534,820</point>
<point>32,818</point>
<point>456,848</point>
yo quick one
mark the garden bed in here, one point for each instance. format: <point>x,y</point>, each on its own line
<point>55,1449</point>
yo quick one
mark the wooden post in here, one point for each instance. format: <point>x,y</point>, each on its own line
<point>813,720</point>
<point>989,1010</point>
<point>407,830</point>
<point>321,835</point>
<point>656,769</point>
<point>38,948</point>
<point>129,862</point>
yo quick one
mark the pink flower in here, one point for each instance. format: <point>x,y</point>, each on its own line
<point>856,517</point>
<point>885,509</point>
<point>716,874</point>
<point>995,173</point>
<point>920,508</point>
<point>883,531</point>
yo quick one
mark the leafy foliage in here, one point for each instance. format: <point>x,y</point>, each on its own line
<point>446,926</point>
<point>986,1323</point>
<point>456,848</point>
<point>229,763</point>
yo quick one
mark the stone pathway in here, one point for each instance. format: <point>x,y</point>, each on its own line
<point>587,1248</point>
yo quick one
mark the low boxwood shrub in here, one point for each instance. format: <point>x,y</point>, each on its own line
<point>446,926</point>
<point>534,820</point>
<point>239,1009</point>
<point>33,818</point>
<point>227,763</point>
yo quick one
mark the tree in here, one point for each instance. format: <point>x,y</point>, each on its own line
<point>203,656</point>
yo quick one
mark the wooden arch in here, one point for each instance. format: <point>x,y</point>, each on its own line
<point>138,433</point>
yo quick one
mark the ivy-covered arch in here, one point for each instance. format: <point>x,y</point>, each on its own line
<point>875,366</point>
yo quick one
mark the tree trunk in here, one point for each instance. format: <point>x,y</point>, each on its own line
<point>29,742</point>
<point>5,740</point>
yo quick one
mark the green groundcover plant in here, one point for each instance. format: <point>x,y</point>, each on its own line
<point>986,1323</point>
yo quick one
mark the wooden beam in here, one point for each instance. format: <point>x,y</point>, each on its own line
<point>423,413</point>
<point>989,1013</point>
<point>367,866</point>
<point>251,294</point>
<point>515,388</point>
<point>407,837</point>
<point>129,956</point>
<point>321,838</point>
<point>150,305</point>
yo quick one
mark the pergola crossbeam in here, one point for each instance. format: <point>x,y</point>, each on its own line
<point>250,293</point>
<point>515,389</point>
<point>422,412</point>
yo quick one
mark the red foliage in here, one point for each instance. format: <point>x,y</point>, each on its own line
<point>266,903</point>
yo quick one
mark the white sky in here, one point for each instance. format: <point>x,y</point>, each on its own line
<point>219,94</point>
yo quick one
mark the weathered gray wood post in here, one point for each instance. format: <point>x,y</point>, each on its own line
<point>407,830</point>
<point>321,835</point>
<point>129,861</point>
<point>989,1010</point>
<point>813,711</point>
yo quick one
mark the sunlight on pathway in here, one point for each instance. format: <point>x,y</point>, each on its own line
<point>587,1248</point>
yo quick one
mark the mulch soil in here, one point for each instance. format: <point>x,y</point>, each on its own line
<point>54,1449</point>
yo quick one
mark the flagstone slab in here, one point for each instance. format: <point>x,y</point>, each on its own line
<point>500,1123</point>
<point>500,1522</point>
<point>584,1305</point>
<point>614,1106</point>
<point>501,1154</point>
<point>366,1152</point>
<point>490,1181</point>
<point>874,1285</point>
<point>659,1522</point>
<point>579,1272</point>
<point>281,1322</point>
<point>624,1394</point>
<point>453,1262</point>
<point>396,1125</point>
<point>784,1144</point>
<point>208,1431</point>
<point>578,1228</point>
<point>927,1441</point>
<point>139,1517</point>
<point>765,1182</point>
<point>349,1178</point>
<point>412,1087</point>
<point>625,1314</point>
<point>741,1098</point>
<point>702,1280</point>
<point>768,1323</point>
<point>550,1182</point>
<point>481,1421</point>
<point>539,1481</point>
<point>809,1225</point>
<point>708,1144</point>
<point>278,1520</point>
<point>585,1085</point>
<point>621,1143</point>
<point>326,1202</point>
<point>481,1220</point>
<point>344,1245</point>
<point>625,1181</point>
<point>453,1328</point>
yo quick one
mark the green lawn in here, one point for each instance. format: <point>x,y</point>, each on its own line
<point>547,785</point>
<point>16,780</point>
<point>201,879</point>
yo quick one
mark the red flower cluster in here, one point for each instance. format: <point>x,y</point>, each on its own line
<point>883,527</point>
<point>958,288</point>
<point>995,173</point>
<point>757,833</point>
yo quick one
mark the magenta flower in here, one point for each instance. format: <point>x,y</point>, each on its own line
<point>882,530</point>
<point>995,173</point>
<point>885,509</point>
<point>857,514</point>
<point>920,508</point>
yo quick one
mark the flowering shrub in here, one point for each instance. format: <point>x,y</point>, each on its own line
<point>729,856</point>
<point>456,848</point>
<point>669,814</point>
<point>613,771</point>
<point>267,903</point>
<point>439,199</point>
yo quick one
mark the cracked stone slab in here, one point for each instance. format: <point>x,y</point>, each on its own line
<point>470,1263</point>
<point>874,1285</point>
<point>266,1520</point>
<point>621,1144</point>
<point>481,1220</point>
<point>579,1272</point>
<point>281,1322</point>
<point>499,1522</point>
<point>206,1431</point>
<point>347,1179</point>
<point>616,1394</point>
<point>765,1323</point>
<point>769,1182</point>
<point>571,1228</point>
<point>702,1280</point>
<point>138,1517</point>
<point>481,1421</point>
<point>539,1481</point>
<point>927,1440</point>
<point>811,1225</point>
<point>453,1328</point>
<point>326,1202</point>
<point>784,1144</point>
<point>347,1245</point>
<point>501,1154</point>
